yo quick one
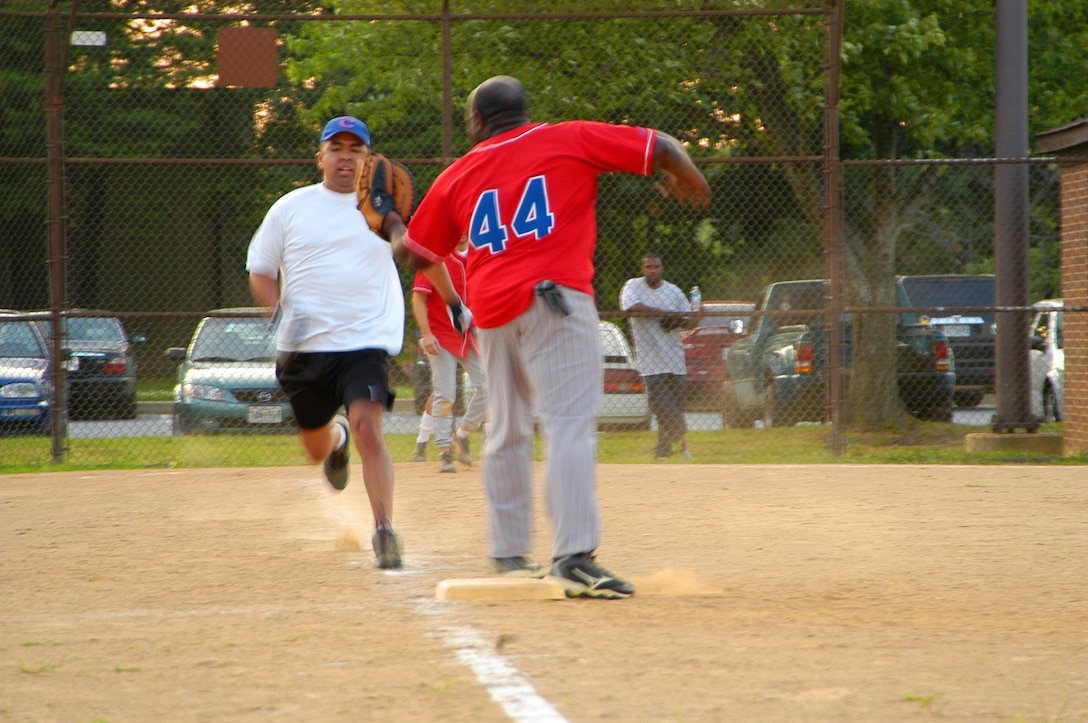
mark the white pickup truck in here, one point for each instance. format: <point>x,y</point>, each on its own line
<point>1047,361</point>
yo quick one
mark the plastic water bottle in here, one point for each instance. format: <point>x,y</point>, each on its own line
<point>696,299</point>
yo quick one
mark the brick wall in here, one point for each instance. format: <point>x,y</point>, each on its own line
<point>1074,229</point>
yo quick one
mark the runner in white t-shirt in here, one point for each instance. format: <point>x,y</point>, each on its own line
<point>333,282</point>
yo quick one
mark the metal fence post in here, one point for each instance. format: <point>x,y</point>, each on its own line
<point>55,45</point>
<point>832,227</point>
<point>1011,218</point>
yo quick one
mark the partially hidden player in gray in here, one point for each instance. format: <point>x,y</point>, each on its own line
<point>660,350</point>
<point>315,262</point>
<point>525,196</point>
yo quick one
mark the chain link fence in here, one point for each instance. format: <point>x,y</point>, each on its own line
<point>129,205</point>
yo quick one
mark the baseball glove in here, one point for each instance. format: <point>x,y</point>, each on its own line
<point>383,185</point>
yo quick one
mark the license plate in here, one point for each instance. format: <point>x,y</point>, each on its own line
<point>264,415</point>
<point>20,413</point>
<point>956,330</point>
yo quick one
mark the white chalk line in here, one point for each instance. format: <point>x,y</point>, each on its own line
<point>504,683</point>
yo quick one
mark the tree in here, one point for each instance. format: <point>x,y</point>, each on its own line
<point>621,70</point>
<point>148,92</point>
<point>917,79</point>
<point>916,84</point>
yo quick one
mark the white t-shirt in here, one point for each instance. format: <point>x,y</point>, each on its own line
<point>659,351</point>
<point>340,290</point>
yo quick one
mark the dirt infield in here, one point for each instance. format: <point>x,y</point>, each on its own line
<point>765,593</point>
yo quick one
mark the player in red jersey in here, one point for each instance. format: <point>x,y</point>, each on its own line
<point>525,196</point>
<point>449,351</point>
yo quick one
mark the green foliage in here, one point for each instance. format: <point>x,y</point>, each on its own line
<point>917,82</point>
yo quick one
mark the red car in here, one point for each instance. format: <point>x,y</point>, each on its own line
<point>706,346</point>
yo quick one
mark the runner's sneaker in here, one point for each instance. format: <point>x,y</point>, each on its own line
<point>421,452</point>
<point>386,547</point>
<point>583,577</point>
<point>519,566</point>
<point>686,456</point>
<point>446,462</point>
<point>462,450</point>
<point>336,464</point>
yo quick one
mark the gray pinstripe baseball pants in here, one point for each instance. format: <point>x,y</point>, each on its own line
<point>444,370</point>
<point>550,362</point>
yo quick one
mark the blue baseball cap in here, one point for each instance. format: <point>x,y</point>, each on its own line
<point>346,124</point>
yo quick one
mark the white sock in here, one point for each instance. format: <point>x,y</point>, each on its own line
<point>341,436</point>
<point>426,426</point>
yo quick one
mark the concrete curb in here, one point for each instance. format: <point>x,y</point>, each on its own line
<point>1047,444</point>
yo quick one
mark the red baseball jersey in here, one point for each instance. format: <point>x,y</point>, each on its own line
<point>437,317</point>
<point>526,199</point>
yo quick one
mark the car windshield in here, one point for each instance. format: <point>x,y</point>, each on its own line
<point>234,340</point>
<point>952,292</point>
<point>98,328</point>
<point>613,345</point>
<point>17,339</point>
<point>800,303</point>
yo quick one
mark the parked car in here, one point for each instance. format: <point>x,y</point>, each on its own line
<point>624,403</point>
<point>101,368</point>
<point>26,388</point>
<point>706,346</point>
<point>970,333</point>
<point>778,371</point>
<point>1048,361</point>
<point>226,379</point>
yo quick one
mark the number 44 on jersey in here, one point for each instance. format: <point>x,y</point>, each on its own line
<point>533,217</point>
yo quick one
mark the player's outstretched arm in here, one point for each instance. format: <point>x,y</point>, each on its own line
<point>683,180</point>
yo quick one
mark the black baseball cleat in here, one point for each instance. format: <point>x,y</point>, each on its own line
<point>386,548</point>
<point>583,577</point>
<point>336,464</point>
<point>519,566</point>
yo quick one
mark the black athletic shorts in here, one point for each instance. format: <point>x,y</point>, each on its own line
<point>318,383</point>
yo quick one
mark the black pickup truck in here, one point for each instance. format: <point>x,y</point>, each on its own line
<point>971,334</point>
<point>778,371</point>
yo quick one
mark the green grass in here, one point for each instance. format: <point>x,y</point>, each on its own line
<point>155,389</point>
<point>921,443</point>
<point>36,669</point>
<point>925,701</point>
<point>161,389</point>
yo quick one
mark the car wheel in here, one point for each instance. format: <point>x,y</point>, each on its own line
<point>127,408</point>
<point>966,400</point>
<point>733,417</point>
<point>935,414</point>
<point>774,414</point>
<point>1050,406</point>
<point>181,425</point>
